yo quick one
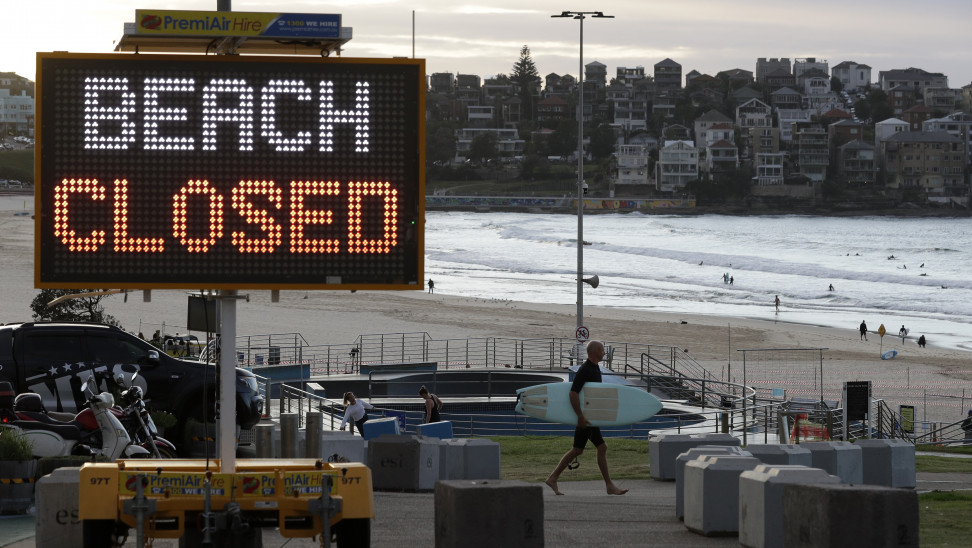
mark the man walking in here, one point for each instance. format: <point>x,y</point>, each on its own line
<point>588,372</point>
<point>863,331</point>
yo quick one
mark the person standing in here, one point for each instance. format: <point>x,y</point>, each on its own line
<point>432,405</point>
<point>431,286</point>
<point>902,333</point>
<point>584,432</point>
<point>777,303</point>
<point>863,329</point>
<point>355,412</point>
<point>921,341</point>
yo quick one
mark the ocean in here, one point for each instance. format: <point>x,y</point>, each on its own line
<point>884,270</point>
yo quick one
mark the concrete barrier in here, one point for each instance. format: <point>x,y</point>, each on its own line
<point>263,438</point>
<point>782,454</point>
<point>441,430</point>
<point>482,459</point>
<point>890,463</point>
<point>342,447</point>
<point>712,493</point>
<point>840,458</point>
<point>761,501</point>
<point>452,459</point>
<point>488,513</point>
<point>56,514</point>
<point>663,450</point>
<point>406,463</point>
<point>849,515</point>
<point>692,454</point>
<point>380,427</point>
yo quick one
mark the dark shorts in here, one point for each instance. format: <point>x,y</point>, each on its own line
<point>582,435</point>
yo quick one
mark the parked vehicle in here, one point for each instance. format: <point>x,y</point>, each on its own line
<point>134,415</point>
<point>54,359</point>
<point>93,431</point>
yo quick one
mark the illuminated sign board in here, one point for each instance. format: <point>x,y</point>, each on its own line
<point>236,23</point>
<point>161,171</point>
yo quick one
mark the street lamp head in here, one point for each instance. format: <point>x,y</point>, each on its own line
<point>601,15</point>
<point>562,14</point>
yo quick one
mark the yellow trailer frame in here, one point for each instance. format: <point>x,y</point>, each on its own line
<point>272,489</point>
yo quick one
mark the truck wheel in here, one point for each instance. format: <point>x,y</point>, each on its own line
<point>97,532</point>
<point>353,533</point>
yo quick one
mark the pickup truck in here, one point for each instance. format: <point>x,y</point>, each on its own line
<point>54,360</point>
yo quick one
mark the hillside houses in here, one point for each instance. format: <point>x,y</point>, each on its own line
<point>784,123</point>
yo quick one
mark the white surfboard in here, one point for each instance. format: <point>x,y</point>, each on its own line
<point>603,404</point>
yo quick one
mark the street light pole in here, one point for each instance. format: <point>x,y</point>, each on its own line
<point>580,16</point>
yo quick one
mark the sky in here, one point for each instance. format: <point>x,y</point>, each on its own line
<point>485,38</point>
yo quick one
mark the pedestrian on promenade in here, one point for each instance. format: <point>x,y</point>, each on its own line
<point>863,331</point>
<point>584,432</point>
<point>355,412</point>
<point>431,286</point>
<point>432,405</point>
<point>777,303</point>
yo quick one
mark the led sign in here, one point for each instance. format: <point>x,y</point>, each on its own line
<point>159,171</point>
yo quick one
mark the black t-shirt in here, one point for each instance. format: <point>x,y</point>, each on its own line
<point>588,372</point>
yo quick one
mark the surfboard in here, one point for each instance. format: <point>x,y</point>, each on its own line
<point>889,354</point>
<point>603,404</point>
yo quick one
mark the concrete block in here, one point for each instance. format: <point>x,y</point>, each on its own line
<point>712,493</point>
<point>441,430</point>
<point>56,515</point>
<point>406,463</point>
<point>488,513</point>
<point>781,454</point>
<point>482,459</point>
<point>692,454</point>
<point>379,427</point>
<point>890,463</point>
<point>452,459</point>
<point>664,449</point>
<point>840,458</point>
<point>849,515</point>
<point>342,447</point>
<point>761,500</point>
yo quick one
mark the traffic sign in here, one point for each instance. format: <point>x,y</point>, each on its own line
<point>583,334</point>
<point>882,330</point>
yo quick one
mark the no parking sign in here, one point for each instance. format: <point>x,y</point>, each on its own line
<point>582,334</point>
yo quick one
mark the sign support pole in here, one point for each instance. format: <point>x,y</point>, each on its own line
<point>227,381</point>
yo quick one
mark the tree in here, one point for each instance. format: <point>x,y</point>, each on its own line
<point>82,309</point>
<point>836,85</point>
<point>440,139</point>
<point>483,147</point>
<point>527,78</point>
<point>603,140</point>
<point>563,141</point>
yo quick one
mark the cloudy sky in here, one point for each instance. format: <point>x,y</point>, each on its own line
<point>485,38</point>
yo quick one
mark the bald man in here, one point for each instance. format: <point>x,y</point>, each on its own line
<point>588,372</point>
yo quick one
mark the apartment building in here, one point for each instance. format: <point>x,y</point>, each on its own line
<point>913,78</point>
<point>852,76</point>
<point>769,161</point>
<point>16,112</point>
<point>633,165</point>
<point>786,118</point>
<point>596,73</point>
<point>706,121</point>
<point>812,152</point>
<point>677,165</point>
<point>856,163</point>
<point>801,66</point>
<point>668,75</point>
<point>957,124</point>
<point>508,142</point>
<point>786,98</point>
<point>765,67</point>
<point>934,162</point>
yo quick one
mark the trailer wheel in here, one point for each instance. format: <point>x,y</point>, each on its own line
<point>353,533</point>
<point>97,532</point>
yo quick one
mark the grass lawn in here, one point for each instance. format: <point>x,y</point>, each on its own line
<point>944,516</point>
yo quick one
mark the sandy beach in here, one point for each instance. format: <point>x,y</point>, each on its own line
<point>338,317</point>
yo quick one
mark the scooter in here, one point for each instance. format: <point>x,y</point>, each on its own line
<point>138,422</point>
<point>95,431</point>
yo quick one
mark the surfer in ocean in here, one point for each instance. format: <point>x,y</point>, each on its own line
<point>588,372</point>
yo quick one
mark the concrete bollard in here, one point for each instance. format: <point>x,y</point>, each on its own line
<point>403,462</point>
<point>263,438</point>
<point>488,513</point>
<point>692,454</point>
<point>452,459</point>
<point>313,433</point>
<point>782,454</point>
<point>288,435</point>
<point>840,458</point>
<point>712,493</point>
<point>849,515</point>
<point>56,516</point>
<point>663,450</point>
<point>342,447</point>
<point>761,501</point>
<point>890,463</point>
<point>482,459</point>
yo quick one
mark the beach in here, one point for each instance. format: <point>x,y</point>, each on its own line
<point>339,317</point>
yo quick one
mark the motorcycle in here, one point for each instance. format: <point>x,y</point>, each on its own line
<point>138,422</point>
<point>95,431</point>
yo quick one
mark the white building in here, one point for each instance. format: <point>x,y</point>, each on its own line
<point>678,164</point>
<point>16,113</point>
<point>632,164</point>
<point>852,75</point>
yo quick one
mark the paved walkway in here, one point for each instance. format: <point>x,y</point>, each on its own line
<point>585,516</point>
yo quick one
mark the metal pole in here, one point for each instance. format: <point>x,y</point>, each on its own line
<point>227,382</point>
<point>580,178</point>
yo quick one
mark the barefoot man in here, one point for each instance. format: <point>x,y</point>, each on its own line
<point>588,372</point>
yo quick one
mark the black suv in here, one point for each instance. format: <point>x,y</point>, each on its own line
<point>54,359</point>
